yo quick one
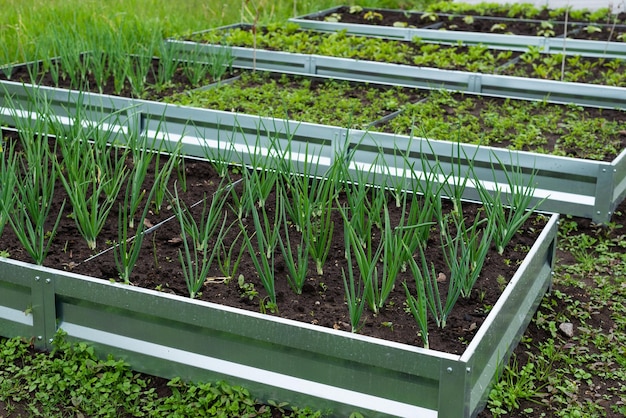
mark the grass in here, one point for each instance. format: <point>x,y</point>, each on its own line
<point>26,24</point>
<point>583,375</point>
<point>73,381</point>
<point>550,375</point>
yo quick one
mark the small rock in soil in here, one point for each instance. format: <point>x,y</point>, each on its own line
<point>567,328</point>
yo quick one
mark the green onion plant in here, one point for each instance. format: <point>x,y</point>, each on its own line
<point>354,290</point>
<point>399,244</point>
<point>51,64</point>
<point>142,155</point>
<point>319,229</point>
<point>419,303</point>
<point>302,187</point>
<point>93,174</point>
<point>91,191</point>
<point>221,156</point>
<point>196,72</point>
<point>509,206</point>
<point>98,41</point>
<point>312,193</point>
<point>465,248</point>
<point>260,177</point>
<point>118,63</point>
<point>163,173</point>
<point>425,277</point>
<point>128,247</point>
<point>429,187</point>
<point>197,64</point>
<point>197,259</point>
<point>35,179</point>
<point>229,257</point>
<point>34,71</point>
<point>167,66</point>
<point>454,177</point>
<point>365,203</point>
<point>138,70</point>
<point>8,178</point>
<point>266,231</point>
<point>296,258</point>
<point>260,181</point>
<point>7,59</point>
<point>366,255</point>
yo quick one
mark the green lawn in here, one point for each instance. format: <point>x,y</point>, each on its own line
<point>28,26</point>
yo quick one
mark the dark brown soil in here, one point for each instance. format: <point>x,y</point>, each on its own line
<point>322,301</point>
<point>501,26</point>
<point>381,17</point>
<point>494,23</point>
<point>547,14</point>
<point>577,69</point>
<point>605,33</point>
<point>375,17</point>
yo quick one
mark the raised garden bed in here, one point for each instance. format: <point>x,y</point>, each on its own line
<point>415,52</point>
<point>493,32</point>
<point>525,10</point>
<point>565,130</point>
<point>537,126</point>
<point>170,335</point>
